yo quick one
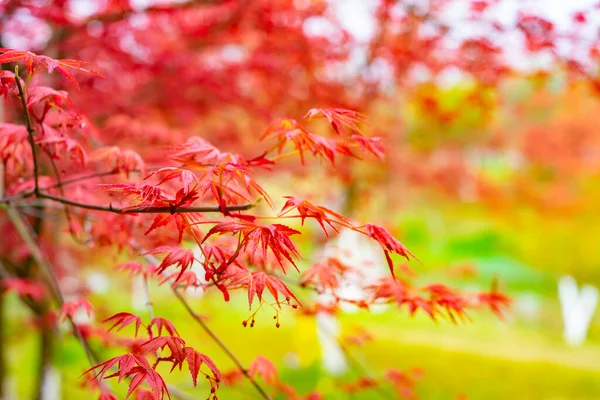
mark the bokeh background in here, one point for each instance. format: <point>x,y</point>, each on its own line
<point>492,172</point>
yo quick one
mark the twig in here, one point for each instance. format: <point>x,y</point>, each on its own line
<point>91,176</point>
<point>145,209</point>
<point>127,210</point>
<point>29,130</point>
<point>62,192</point>
<point>148,300</point>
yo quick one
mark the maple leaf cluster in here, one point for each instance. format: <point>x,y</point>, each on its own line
<point>150,157</point>
<point>238,249</point>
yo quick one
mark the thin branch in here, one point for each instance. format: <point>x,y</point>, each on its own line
<point>17,196</point>
<point>148,300</point>
<point>91,176</point>
<point>146,209</point>
<point>211,333</point>
<point>62,192</point>
<point>64,183</point>
<point>29,130</point>
<point>127,210</point>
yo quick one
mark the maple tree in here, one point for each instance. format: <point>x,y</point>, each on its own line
<point>99,143</point>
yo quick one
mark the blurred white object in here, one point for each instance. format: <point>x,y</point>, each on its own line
<point>51,384</point>
<point>138,293</point>
<point>577,309</point>
<point>528,306</point>
<point>366,258</point>
<point>199,271</point>
<point>98,282</point>
<point>334,360</point>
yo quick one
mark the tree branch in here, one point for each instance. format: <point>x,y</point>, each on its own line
<point>145,209</point>
<point>29,130</point>
<point>127,210</point>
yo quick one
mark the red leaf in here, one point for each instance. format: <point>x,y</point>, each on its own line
<point>388,243</point>
<point>195,361</point>
<point>25,287</point>
<point>32,61</point>
<point>176,256</point>
<point>257,282</point>
<point>124,319</point>
<point>265,369</point>
<point>134,268</point>
<point>495,300</point>
<point>69,308</point>
<point>341,120</point>
<point>133,365</point>
<point>115,159</point>
<point>175,345</point>
<point>275,237</point>
<point>373,145</point>
<point>319,213</point>
<point>161,323</point>
<point>325,275</point>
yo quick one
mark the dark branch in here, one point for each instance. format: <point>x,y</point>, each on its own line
<point>29,130</point>
<point>147,209</point>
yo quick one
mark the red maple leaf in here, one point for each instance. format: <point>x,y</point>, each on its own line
<point>122,320</point>
<point>325,274</point>
<point>342,120</point>
<point>25,287</point>
<point>33,61</point>
<point>135,366</point>
<point>161,323</point>
<point>275,237</point>
<point>388,243</point>
<point>495,300</point>
<point>257,282</point>
<point>319,213</point>
<point>116,159</point>
<point>372,145</point>
<point>175,256</point>
<point>195,361</point>
<point>265,369</point>
<point>69,308</point>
